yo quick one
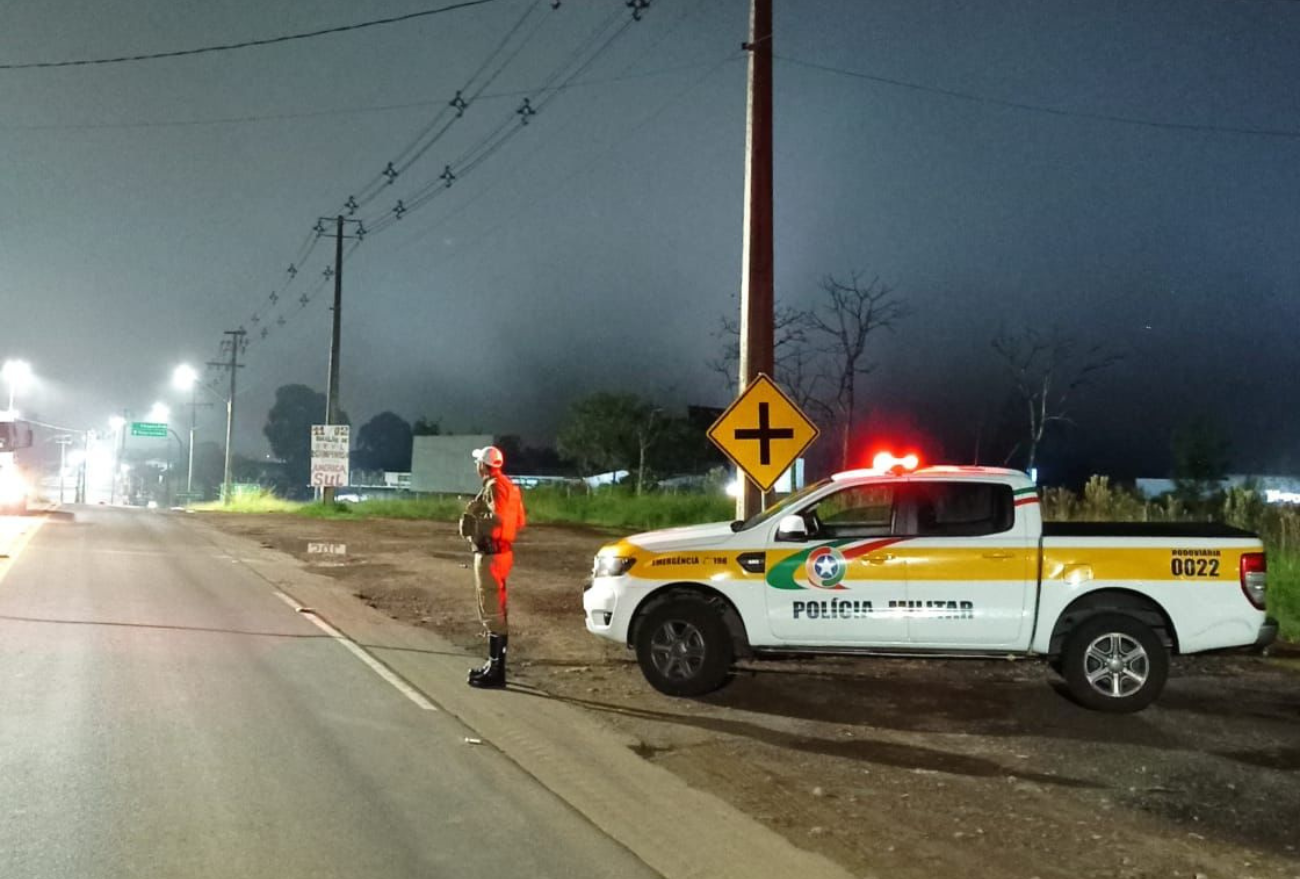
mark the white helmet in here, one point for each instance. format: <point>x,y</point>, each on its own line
<point>489,456</point>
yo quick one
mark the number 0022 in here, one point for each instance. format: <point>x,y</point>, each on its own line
<point>1181,567</point>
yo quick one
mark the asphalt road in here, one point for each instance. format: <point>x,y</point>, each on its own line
<point>164,714</point>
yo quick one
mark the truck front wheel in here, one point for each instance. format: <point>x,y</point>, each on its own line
<point>1114,662</point>
<point>684,648</point>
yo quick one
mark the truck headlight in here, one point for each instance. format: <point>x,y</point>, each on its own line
<point>611,566</point>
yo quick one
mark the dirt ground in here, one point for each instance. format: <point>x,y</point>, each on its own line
<point>898,768</point>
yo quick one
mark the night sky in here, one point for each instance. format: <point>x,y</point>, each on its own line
<point>149,206</point>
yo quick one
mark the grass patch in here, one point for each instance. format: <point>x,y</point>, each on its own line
<point>262,502</point>
<point>608,508</point>
<point>1284,591</point>
<point>622,510</point>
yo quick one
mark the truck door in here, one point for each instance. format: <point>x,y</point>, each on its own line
<point>835,586</point>
<point>971,566</point>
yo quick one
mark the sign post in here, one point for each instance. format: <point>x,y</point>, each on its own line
<point>329,455</point>
<point>763,432</point>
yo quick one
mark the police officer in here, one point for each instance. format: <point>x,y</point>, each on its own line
<point>490,523</point>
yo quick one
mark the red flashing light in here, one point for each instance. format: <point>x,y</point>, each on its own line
<point>887,462</point>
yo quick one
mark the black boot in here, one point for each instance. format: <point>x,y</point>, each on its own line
<point>495,676</point>
<point>493,648</point>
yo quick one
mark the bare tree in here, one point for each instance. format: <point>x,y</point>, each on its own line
<point>849,313</point>
<point>1047,370</point>
<point>798,367</point>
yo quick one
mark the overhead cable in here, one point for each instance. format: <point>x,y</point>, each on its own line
<point>1289,134</point>
<point>246,44</point>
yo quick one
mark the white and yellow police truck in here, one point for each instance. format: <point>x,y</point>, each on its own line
<point>941,561</point>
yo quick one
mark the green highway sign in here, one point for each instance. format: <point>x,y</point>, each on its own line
<point>148,428</point>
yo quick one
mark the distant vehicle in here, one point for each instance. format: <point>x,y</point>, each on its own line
<point>942,561</point>
<point>15,483</point>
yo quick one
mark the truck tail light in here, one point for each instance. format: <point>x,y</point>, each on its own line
<point>1254,577</point>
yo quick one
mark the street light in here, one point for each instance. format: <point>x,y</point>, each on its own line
<point>160,413</point>
<point>184,377</point>
<point>16,373</point>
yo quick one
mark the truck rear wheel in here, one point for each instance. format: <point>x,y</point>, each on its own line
<point>684,648</point>
<point>1114,662</point>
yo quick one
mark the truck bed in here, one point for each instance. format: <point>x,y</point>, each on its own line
<point>1143,529</point>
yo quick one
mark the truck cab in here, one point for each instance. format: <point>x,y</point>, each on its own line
<point>15,485</point>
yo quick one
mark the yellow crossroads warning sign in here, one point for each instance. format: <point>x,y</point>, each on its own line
<point>763,432</point>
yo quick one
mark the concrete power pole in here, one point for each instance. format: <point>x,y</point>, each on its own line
<point>757,299</point>
<point>234,346</point>
<point>332,385</point>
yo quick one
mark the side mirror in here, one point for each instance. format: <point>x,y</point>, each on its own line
<point>792,527</point>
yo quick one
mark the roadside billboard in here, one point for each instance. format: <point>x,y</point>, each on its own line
<point>329,455</point>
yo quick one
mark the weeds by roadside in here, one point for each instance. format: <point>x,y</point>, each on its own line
<point>607,508</point>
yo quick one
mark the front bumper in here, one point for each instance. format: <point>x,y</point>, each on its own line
<point>1267,634</point>
<point>604,611</point>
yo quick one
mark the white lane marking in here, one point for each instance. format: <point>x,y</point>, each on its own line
<point>16,536</point>
<point>356,650</point>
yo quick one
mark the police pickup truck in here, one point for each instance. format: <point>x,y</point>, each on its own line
<point>941,561</point>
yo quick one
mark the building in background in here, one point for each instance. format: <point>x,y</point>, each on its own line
<point>445,464</point>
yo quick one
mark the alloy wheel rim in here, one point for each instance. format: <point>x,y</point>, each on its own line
<point>1116,665</point>
<point>677,650</point>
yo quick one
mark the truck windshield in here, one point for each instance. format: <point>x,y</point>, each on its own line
<point>781,507</point>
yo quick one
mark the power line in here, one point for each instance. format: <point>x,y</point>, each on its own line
<point>246,44</point>
<point>418,145</point>
<point>562,184</point>
<point>1289,134</point>
<point>353,203</point>
<point>565,73</point>
<point>602,37</point>
<point>712,67</point>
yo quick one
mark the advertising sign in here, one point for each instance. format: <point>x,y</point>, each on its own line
<point>329,455</point>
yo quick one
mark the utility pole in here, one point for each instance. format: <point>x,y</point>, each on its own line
<point>233,346</point>
<point>64,440</point>
<point>81,471</point>
<point>118,454</point>
<point>757,299</point>
<point>332,384</point>
<point>194,417</point>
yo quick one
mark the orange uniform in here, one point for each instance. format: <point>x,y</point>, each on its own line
<point>495,517</point>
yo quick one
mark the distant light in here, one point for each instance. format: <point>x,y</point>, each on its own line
<point>733,488</point>
<point>116,423</point>
<point>160,413</point>
<point>16,373</point>
<point>1033,475</point>
<point>1277,496</point>
<point>184,377</point>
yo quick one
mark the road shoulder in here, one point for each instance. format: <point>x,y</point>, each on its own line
<point>677,830</point>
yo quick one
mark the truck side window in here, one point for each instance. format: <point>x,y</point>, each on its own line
<point>859,511</point>
<point>961,509</point>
